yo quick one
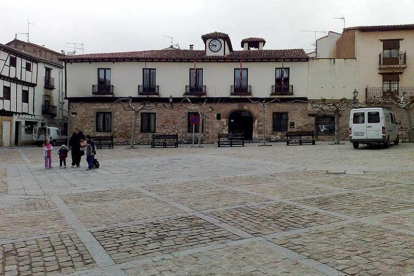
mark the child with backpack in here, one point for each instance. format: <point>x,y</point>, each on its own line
<point>63,154</point>
<point>90,152</point>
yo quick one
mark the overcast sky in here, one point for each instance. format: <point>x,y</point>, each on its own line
<point>114,26</point>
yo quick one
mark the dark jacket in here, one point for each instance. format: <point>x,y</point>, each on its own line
<point>74,141</point>
<point>90,148</point>
<point>63,152</point>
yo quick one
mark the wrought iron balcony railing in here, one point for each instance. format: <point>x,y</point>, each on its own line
<point>102,89</point>
<point>196,90</point>
<point>278,90</point>
<point>241,90</point>
<point>148,90</point>
<point>49,83</point>
<point>49,110</point>
<point>373,93</point>
<point>397,59</point>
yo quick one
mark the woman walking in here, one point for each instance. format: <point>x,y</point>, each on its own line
<point>75,146</point>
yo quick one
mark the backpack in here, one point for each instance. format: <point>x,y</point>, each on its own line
<point>96,163</point>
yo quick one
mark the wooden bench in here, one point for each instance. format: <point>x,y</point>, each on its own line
<point>300,137</point>
<point>103,141</point>
<point>231,139</point>
<point>164,140</point>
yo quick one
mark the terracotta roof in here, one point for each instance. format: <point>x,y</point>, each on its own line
<point>18,53</point>
<point>381,28</point>
<point>253,39</point>
<point>188,55</point>
<point>218,35</point>
<point>34,45</point>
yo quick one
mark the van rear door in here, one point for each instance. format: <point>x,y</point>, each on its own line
<point>374,124</point>
<point>358,126</point>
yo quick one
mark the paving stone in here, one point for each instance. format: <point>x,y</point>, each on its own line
<point>101,196</point>
<point>179,188</point>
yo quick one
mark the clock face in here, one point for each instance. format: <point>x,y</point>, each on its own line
<point>215,45</point>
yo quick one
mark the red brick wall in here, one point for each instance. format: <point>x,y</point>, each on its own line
<point>345,46</point>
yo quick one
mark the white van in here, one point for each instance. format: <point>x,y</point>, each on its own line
<point>53,134</point>
<point>373,125</point>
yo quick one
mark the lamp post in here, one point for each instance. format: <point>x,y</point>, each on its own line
<point>171,101</point>
<point>355,94</point>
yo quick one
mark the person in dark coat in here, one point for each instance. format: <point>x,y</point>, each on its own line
<point>75,147</point>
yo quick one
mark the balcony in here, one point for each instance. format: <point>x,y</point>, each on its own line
<point>49,110</point>
<point>393,60</point>
<point>49,83</point>
<point>241,90</point>
<point>102,89</point>
<point>148,90</point>
<point>282,91</point>
<point>195,90</point>
<point>373,93</point>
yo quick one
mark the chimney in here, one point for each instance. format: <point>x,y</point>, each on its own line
<point>191,46</point>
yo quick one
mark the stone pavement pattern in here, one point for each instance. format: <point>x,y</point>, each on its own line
<point>210,211</point>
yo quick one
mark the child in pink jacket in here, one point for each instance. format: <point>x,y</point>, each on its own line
<point>47,154</point>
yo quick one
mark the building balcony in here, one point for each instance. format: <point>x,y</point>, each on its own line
<point>49,110</point>
<point>49,83</point>
<point>241,90</point>
<point>195,90</point>
<point>390,61</point>
<point>148,90</point>
<point>282,91</point>
<point>102,89</point>
<point>377,93</point>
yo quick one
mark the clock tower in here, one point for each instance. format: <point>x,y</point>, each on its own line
<point>217,44</point>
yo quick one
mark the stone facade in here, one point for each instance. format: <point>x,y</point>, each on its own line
<point>171,121</point>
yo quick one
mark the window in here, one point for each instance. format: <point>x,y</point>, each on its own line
<point>6,93</point>
<point>48,78</point>
<point>394,119</point>
<point>29,126</point>
<point>240,80</point>
<point>391,48</point>
<point>325,125</point>
<point>28,66</point>
<point>148,122</point>
<point>359,118</point>
<point>25,96</point>
<point>149,80</point>
<point>280,122</point>
<point>282,79</point>
<point>196,80</point>
<point>12,61</point>
<point>374,117</point>
<point>190,126</point>
<point>104,77</point>
<point>390,82</point>
<point>103,122</point>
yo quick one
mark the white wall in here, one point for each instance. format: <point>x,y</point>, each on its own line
<point>172,77</point>
<point>326,46</point>
<point>332,78</point>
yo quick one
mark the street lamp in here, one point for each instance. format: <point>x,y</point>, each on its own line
<point>171,101</point>
<point>355,94</point>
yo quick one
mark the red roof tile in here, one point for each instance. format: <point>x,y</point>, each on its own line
<point>179,55</point>
<point>253,39</point>
<point>381,28</point>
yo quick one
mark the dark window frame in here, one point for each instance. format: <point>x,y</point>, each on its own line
<point>146,124</point>
<point>317,120</point>
<point>278,85</point>
<point>192,79</point>
<point>13,61</point>
<point>280,127</point>
<point>28,66</point>
<point>105,128</point>
<point>190,126</point>
<point>247,77</point>
<point>149,88</point>
<point>25,96</point>
<point>8,88</point>
<point>105,76</point>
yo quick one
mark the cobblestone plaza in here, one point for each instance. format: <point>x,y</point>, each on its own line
<point>297,210</point>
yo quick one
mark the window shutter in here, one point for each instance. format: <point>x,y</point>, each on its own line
<point>391,77</point>
<point>391,44</point>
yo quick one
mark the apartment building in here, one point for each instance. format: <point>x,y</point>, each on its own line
<point>31,90</point>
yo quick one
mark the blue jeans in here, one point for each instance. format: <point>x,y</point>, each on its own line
<point>90,159</point>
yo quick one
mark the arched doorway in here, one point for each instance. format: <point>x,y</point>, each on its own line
<point>241,122</point>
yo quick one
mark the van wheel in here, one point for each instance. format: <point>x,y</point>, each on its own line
<point>396,142</point>
<point>356,145</point>
<point>387,144</point>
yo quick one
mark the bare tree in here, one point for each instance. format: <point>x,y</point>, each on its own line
<point>402,102</point>
<point>203,110</point>
<point>337,108</point>
<point>263,104</point>
<point>128,106</point>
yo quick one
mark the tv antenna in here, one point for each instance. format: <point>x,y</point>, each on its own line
<point>170,37</point>
<point>315,32</point>
<point>28,31</point>
<point>342,19</point>
<point>76,46</point>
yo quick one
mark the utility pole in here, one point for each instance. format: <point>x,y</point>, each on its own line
<point>342,19</point>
